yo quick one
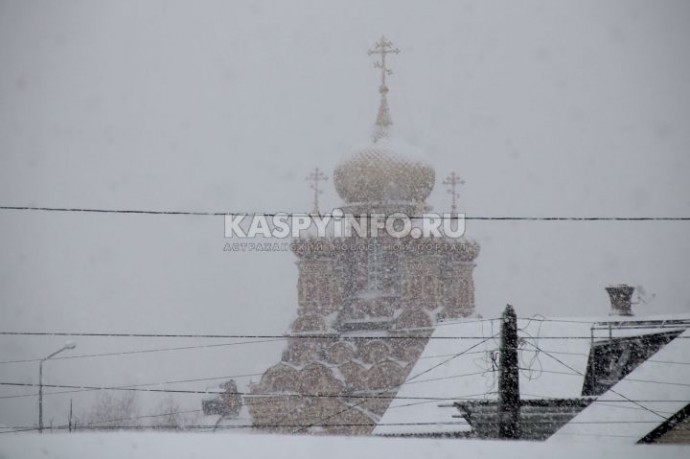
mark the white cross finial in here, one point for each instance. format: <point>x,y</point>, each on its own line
<point>453,180</point>
<point>383,47</point>
<point>315,177</point>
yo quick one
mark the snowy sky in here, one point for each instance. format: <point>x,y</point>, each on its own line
<point>545,108</point>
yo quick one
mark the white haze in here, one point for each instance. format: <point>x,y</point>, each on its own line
<point>545,108</point>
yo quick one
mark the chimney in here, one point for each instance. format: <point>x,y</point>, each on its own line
<point>621,303</point>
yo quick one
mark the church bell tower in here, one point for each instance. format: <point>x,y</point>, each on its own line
<point>366,305</point>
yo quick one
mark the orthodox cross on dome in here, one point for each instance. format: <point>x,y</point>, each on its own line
<point>453,180</point>
<point>315,177</point>
<point>383,48</point>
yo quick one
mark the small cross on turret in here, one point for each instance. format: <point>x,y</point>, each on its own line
<point>315,177</point>
<point>453,180</point>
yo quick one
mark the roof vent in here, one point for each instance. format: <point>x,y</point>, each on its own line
<point>621,299</point>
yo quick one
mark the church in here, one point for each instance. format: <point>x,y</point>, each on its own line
<point>366,305</point>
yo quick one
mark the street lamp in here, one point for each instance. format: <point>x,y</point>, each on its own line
<point>68,345</point>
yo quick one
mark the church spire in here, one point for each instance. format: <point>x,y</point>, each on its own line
<point>383,47</point>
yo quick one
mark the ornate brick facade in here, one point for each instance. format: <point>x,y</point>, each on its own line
<point>324,382</point>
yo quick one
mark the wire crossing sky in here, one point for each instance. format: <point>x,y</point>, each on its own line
<point>271,214</point>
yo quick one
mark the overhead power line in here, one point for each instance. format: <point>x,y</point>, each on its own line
<point>629,379</point>
<point>157,383</point>
<point>137,388</point>
<point>610,389</point>
<point>238,426</point>
<point>324,336</point>
<point>403,334</point>
<point>304,214</point>
<point>277,426</point>
<point>141,351</point>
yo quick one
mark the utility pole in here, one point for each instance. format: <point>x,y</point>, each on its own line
<point>69,422</point>
<point>509,378</point>
<point>68,345</point>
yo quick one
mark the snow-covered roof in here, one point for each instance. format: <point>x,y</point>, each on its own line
<point>458,363</point>
<point>640,402</point>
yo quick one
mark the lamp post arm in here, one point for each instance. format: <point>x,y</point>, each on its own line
<point>54,354</point>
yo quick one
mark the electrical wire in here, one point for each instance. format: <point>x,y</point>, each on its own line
<point>140,388</point>
<point>142,351</point>
<point>610,389</point>
<point>324,336</point>
<point>304,214</point>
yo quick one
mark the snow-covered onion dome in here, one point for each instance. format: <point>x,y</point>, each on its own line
<point>380,172</point>
<point>384,171</point>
